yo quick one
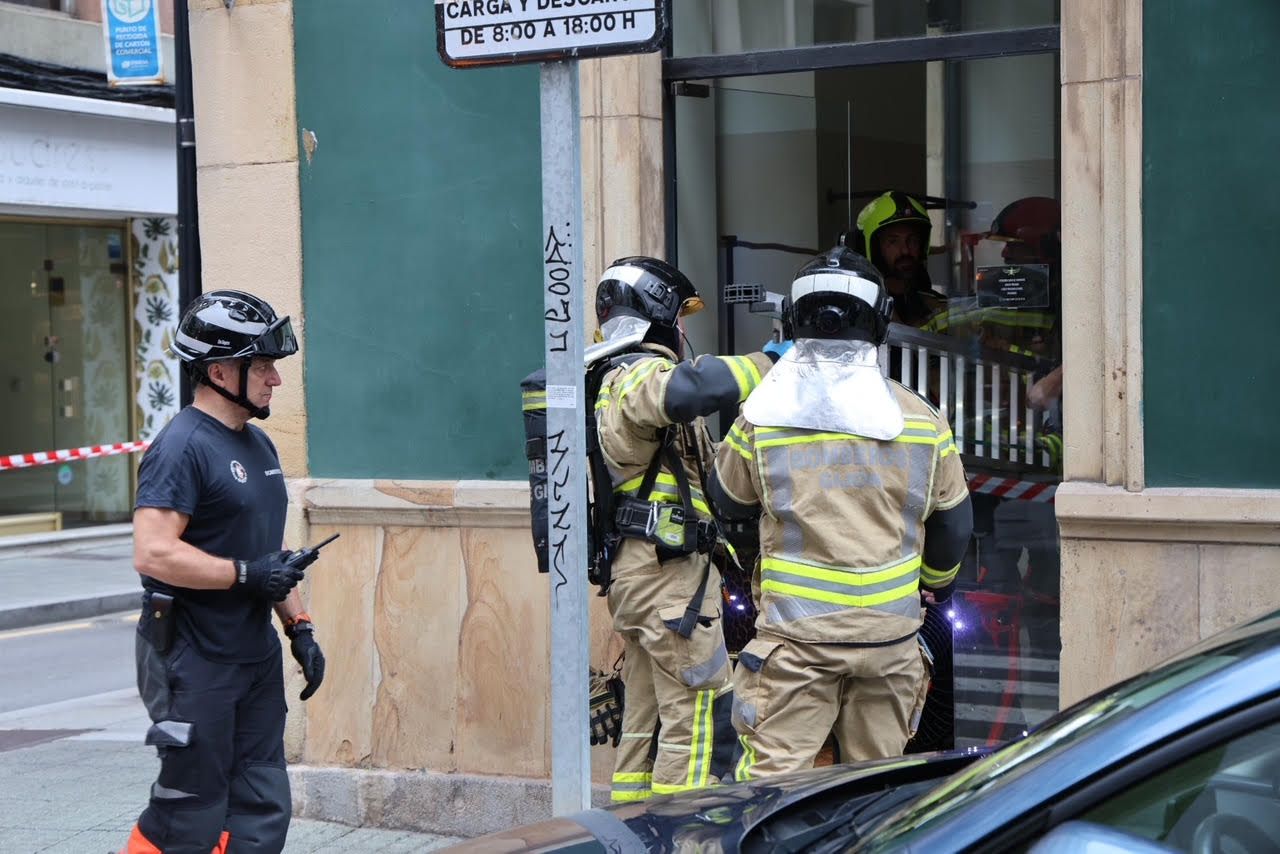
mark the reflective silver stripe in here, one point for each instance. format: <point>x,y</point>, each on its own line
<point>919,473</point>
<point>700,674</point>
<point>775,473</point>
<point>191,343</point>
<point>167,794</point>
<point>850,589</point>
<point>787,609</point>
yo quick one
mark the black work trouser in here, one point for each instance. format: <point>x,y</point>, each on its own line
<point>229,775</point>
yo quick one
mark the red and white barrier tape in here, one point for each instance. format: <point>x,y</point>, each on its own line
<point>44,458</point>
<point>1007,487</point>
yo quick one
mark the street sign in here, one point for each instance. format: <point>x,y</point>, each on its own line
<point>131,30</point>
<point>503,32</point>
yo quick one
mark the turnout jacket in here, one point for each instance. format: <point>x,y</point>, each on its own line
<point>850,527</point>
<point>638,400</point>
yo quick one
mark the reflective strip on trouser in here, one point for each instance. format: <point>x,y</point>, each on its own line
<point>864,694</point>
<point>685,681</point>
<point>230,777</point>
<point>633,763</point>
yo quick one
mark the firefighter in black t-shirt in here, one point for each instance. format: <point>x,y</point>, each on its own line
<point>208,529</point>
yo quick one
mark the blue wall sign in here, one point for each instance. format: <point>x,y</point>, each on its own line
<point>131,29</point>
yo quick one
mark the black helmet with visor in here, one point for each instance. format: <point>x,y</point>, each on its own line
<point>840,295</point>
<point>649,289</point>
<point>223,325</point>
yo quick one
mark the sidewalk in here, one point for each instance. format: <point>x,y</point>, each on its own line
<point>46,580</point>
<point>75,774</point>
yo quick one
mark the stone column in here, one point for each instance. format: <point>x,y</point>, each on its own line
<point>1145,572</point>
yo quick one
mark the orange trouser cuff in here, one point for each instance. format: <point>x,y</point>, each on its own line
<point>139,844</point>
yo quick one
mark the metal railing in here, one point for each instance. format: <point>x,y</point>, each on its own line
<point>982,392</point>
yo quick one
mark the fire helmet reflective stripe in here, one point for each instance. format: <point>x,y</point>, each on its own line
<point>839,294</point>
<point>232,325</point>
<point>886,209</point>
<point>647,288</point>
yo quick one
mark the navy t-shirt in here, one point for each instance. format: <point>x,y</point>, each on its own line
<point>230,485</point>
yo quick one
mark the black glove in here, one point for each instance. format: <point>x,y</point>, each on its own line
<point>605,713</point>
<point>268,577</point>
<point>306,652</point>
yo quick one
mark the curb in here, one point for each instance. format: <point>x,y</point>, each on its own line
<point>40,613</point>
<point>35,545</point>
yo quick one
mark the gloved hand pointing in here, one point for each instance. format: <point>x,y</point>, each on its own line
<point>777,349</point>
<point>306,651</point>
<point>267,577</point>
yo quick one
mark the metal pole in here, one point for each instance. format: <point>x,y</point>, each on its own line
<point>566,440</point>
<point>189,285</point>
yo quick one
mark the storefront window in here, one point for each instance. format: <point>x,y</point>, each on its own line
<point>65,352</point>
<point>771,169</point>
<point>738,26</point>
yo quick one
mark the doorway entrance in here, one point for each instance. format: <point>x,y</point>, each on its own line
<point>64,366</point>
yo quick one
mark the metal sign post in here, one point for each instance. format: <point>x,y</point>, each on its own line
<point>566,441</point>
<point>557,34</point>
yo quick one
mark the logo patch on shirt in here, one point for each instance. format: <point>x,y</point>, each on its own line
<point>270,472</point>
<point>238,472</point>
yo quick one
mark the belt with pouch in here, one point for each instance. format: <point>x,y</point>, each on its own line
<point>158,623</point>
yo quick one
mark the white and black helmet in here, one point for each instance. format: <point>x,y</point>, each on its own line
<point>839,295</point>
<point>231,325</point>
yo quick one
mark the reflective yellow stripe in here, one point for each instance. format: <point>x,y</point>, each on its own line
<point>633,777</point>
<point>742,772</point>
<point>852,578</point>
<point>852,599</point>
<point>628,797</point>
<point>638,376</point>
<point>736,446</point>
<point>739,377</point>
<point>841,437</point>
<point>753,371</point>
<point>667,789</point>
<point>630,486</point>
<point>937,577</point>
<point>533,400</point>
<point>700,739</point>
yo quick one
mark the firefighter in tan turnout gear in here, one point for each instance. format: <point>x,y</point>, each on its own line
<point>862,501</point>
<point>665,592</point>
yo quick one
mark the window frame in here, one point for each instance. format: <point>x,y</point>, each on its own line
<point>982,44</point>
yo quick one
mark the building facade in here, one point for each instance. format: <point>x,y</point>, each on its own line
<point>88,268</point>
<point>391,206</point>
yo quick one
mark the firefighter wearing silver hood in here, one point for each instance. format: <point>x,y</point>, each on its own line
<point>863,510</point>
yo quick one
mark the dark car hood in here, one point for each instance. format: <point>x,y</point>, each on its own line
<point>718,818</point>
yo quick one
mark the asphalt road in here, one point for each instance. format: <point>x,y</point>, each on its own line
<point>63,661</point>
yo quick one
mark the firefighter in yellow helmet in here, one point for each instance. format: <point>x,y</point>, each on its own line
<point>665,592</point>
<point>862,502</point>
<point>893,232</point>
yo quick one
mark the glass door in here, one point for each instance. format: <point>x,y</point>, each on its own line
<point>27,351</point>
<point>65,350</point>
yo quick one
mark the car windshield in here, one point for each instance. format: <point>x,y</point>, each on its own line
<point>1062,731</point>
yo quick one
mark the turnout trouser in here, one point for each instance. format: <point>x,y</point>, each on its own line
<point>790,694</point>
<point>676,733</point>
<point>222,784</point>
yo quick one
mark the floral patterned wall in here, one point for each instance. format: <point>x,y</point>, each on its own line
<point>155,316</point>
<point>101,491</point>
